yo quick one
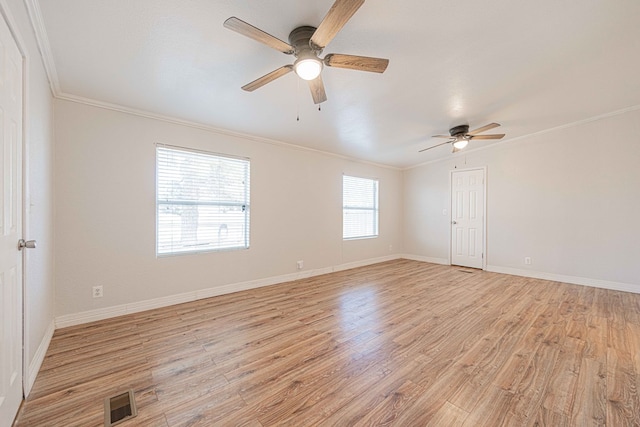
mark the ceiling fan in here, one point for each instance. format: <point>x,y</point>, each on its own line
<point>460,136</point>
<point>306,44</point>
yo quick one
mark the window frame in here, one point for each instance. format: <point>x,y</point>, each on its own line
<point>246,205</point>
<point>375,210</point>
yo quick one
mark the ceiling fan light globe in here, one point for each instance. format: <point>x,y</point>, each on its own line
<point>308,68</point>
<point>460,143</point>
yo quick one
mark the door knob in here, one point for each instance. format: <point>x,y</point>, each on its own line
<point>453,222</point>
<point>29,244</point>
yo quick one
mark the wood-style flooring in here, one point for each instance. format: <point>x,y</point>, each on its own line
<point>400,343</point>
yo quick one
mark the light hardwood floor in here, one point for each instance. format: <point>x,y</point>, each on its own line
<point>400,343</point>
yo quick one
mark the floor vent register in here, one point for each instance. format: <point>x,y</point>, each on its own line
<point>119,408</point>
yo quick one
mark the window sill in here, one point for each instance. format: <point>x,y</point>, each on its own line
<point>358,238</point>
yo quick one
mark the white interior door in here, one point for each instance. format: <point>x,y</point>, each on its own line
<point>467,217</point>
<point>10,226</point>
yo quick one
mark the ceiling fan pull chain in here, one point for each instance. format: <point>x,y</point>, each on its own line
<point>305,44</point>
<point>298,99</point>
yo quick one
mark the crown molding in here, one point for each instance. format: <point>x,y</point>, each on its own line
<point>196,125</point>
<point>37,22</point>
<point>42,39</point>
<point>39,29</point>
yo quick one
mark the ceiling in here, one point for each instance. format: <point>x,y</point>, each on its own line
<point>530,66</point>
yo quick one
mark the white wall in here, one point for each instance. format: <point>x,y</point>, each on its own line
<point>568,198</point>
<point>105,211</point>
<point>38,194</point>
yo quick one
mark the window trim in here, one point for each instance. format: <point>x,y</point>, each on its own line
<point>246,204</point>
<point>375,210</point>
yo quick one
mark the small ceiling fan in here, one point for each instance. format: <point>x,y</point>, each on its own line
<point>460,136</point>
<point>306,44</point>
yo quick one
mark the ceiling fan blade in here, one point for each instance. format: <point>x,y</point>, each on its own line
<point>317,90</point>
<point>437,145</point>
<point>353,62</point>
<point>494,136</point>
<point>248,30</point>
<point>338,15</point>
<point>441,136</point>
<point>267,78</point>
<point>484,128</point>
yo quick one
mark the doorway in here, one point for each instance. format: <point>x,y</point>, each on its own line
<point>468,218</point>
<point>11,212</point>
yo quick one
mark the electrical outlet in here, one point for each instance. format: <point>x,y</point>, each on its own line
<point>527,260</point>
<point>300,265</point>
<point>97,291</point>
<point>390,248</point>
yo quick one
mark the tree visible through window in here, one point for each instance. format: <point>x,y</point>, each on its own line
<point>202,201</point>
<point>359,207</point>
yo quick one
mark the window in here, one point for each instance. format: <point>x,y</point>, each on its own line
<point>359,207</point>
<point>202,201</point>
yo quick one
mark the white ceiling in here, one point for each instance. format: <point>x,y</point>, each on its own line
<point>529,65</point>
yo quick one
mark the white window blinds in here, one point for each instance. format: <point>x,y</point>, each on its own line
<point>202,201</point>
<point>359,207</point>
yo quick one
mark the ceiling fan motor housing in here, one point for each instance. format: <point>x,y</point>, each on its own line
<point>299,38</point>
<point>459,130</point>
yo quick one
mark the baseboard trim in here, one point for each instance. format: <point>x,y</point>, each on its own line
<point>356,264</point>
<point>136,307</point>
<point>432,260</point>
<point>38,358</point>
<point>74,319</point>
<point>575,280</point>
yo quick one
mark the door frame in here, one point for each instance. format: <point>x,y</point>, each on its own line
<point>484,211</point>
<point>7,15</point>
